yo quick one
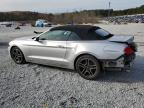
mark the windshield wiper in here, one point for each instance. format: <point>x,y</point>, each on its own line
<point>33,37</point>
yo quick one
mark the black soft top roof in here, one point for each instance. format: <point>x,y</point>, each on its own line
<point>81,30</point>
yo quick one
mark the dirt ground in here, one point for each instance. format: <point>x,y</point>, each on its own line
<point>37,86</point>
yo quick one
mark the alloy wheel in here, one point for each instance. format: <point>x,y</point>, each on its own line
<point>88,67</point>
<point>17,55</point>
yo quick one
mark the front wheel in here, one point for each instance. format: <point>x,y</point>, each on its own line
<point>17,55</point>
<point>88,67</point>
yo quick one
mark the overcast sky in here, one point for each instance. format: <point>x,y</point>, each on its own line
<point>55,6</point>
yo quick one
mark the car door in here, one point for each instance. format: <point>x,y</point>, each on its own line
<point>50,49</point>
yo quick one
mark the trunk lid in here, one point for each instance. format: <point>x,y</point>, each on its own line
<point>122,39</point>
<point>129,40</point>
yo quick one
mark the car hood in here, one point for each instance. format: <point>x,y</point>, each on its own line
<point>121,39</point>
<point>25,38</point>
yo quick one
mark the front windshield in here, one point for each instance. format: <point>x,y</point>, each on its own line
<point>102,32</point>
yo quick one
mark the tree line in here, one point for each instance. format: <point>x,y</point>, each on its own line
<point>85,16</point>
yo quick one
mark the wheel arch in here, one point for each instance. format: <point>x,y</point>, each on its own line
<point>76,58</point>
<point>13,47</point>
<point>17,47</point>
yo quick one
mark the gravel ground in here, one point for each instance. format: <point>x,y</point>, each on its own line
<point>38,86</point>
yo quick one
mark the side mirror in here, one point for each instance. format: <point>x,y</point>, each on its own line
<point>36,39</point>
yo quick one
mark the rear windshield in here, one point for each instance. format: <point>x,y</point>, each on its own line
<point>102,32</point>
<point>98,34</point>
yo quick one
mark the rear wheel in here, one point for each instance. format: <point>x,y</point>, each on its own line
<point>17,55</point>
<point>88,67</point>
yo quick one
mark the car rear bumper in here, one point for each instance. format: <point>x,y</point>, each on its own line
<point>121,62</point>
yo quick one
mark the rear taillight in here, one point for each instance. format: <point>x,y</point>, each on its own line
<point>128,50</point>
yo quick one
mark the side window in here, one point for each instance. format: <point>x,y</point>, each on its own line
<point>57,35</point>
<point>92,35</point>
<point>74,37</point>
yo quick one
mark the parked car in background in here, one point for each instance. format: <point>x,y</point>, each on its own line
<point>7,24</point>
<point>138,18</point>
<point>42,23</point>
<point>87,49</point>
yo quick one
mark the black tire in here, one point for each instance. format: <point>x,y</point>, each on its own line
<point>88,67</point>
<point>17,55</point>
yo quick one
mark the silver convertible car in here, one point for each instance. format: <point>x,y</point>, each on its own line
<point>87,49</point>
